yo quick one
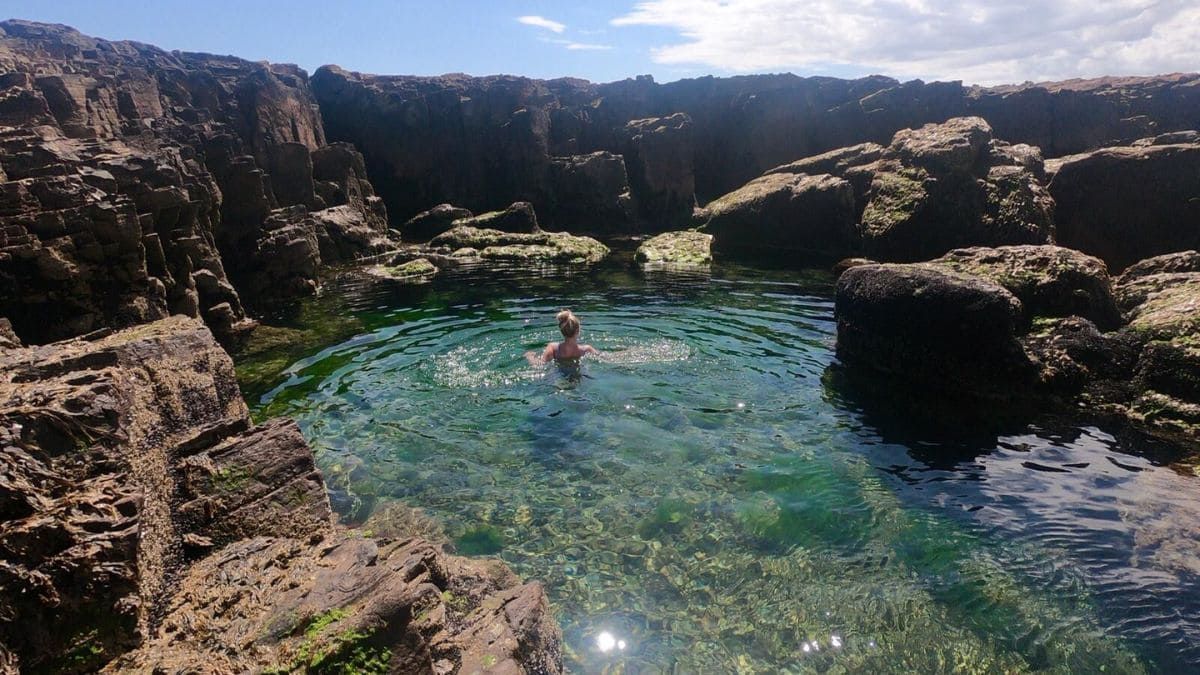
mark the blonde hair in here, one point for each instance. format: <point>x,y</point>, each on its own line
<point>568,323</point>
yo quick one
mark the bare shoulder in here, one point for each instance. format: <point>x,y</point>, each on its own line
<point>588,349</point>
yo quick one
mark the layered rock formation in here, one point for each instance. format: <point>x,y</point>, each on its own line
<point>138,183</point>
<point>486,142</point>
<point>133,481</point>
<point>1030,324</point>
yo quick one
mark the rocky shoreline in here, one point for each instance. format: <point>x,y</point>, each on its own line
<point>150,526</point>
<point>1031,245</point>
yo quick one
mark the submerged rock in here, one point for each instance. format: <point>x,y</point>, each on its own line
<point>687,247</point>
<point>1123,204</point>
<point>538,246</point>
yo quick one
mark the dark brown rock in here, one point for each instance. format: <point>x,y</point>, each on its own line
<point>589,192</point>
<point>428,224</point>
<point>942,329</point>
<point>660,159</point>
<point>445,139</point>
<point>1124,204</point>
<point>518,217</point>
<point>350,604</point>
<point>784,213</point>
<point>948,185</point>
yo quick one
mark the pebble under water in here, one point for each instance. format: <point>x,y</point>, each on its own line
<point>715,494</point>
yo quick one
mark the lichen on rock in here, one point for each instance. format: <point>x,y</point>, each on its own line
<point>686,247</point>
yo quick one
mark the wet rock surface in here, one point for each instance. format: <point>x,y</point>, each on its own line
<point>133,480</point>
<point>1034,325</point>
<point>467,242</point>
<point>934,326</point>
<point>139,183</point>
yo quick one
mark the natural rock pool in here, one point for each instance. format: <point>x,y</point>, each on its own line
<point>714,494</point>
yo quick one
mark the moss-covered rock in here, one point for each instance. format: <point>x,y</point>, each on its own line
<point>1050,281</point>
<point>783,212</point>
<point>416,271</point>
<point>686,247</point>
<point>533,246</point>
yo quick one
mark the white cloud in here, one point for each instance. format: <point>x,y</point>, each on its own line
<point>542,22</point>
<point>576,46</point>
<point>983,41</point>
<point>586,46</point>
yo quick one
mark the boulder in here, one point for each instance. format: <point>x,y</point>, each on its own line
<point>687,247</point>
<point>935,188</point>
<point>932,326</point>
<point>1050,281</point>
<point>345,233</point>
<point>286,259</point>
<point>518,217</point>
<point>784,213</point>
<point>125,456</point>
<point>428,224</point>
<point>1124,204</point>
<point>948,185</point>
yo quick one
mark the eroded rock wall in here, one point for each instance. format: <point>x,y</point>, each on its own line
<point>137,183</point>
<point>485,142</point>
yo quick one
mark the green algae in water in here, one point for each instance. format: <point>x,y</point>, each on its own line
<point>709,496</point>
<point>480,540</point>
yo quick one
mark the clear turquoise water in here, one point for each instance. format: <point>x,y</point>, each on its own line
<point>715,494</point>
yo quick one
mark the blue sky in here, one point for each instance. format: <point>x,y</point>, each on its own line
<point>979,41</point>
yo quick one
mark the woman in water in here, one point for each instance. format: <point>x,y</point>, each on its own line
<point>567,350</point>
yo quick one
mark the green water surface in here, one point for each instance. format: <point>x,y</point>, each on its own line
<point>716,494</point>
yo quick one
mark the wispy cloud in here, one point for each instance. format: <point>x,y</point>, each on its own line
<point>576,46</point>
<point>984,41</point>
<point>542,22</point>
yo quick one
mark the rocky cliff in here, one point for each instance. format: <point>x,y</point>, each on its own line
<point>137,183</point>
<point>146,525</point>
<point>485,142</point>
